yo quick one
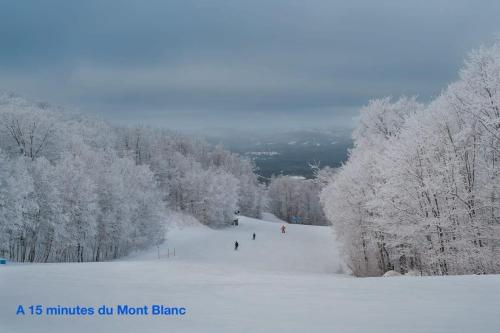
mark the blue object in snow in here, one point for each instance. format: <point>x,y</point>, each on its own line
<point>3,261</point>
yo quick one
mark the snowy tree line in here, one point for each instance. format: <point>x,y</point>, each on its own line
<point>207,182</point>
<point>76,189</point>
<point>292,198</point>
<point>420,190</point>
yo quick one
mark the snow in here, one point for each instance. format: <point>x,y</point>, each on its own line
<point>269,217</point>
<point>262,153</point>
<point>296,251</point>
<point>277,283</point>
<point>391,274</point>
<point>297,177</point>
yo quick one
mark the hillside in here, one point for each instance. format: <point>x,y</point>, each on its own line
<point>277,283</point>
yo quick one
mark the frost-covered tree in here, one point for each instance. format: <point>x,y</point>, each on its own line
<point>18,207</point>
<point>79,205</point>
<point>27,129</point>
<point>77,189</point>
<point>180,165</point>
<point>420,189</point>
<point>49,214</point>
<point>295,197</point>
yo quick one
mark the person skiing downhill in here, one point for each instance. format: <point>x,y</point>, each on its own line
<point>283,229</point>
<point>253,236</point>
<point>236,245</point>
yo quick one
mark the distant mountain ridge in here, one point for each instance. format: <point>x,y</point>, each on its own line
<point>287,151</point>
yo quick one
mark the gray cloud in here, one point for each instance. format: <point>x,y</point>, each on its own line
<point>196,63</point>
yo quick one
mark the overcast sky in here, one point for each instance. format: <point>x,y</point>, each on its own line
<point>192,64</point>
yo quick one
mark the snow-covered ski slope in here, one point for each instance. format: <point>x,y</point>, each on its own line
<point>277,283</point>
<point>300,249</point>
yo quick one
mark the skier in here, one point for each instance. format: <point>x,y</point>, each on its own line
<point>283,229</point>
<point>254,236</point>
<point>236,245</point>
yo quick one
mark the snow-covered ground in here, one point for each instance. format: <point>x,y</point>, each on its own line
<point>277,283</point>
